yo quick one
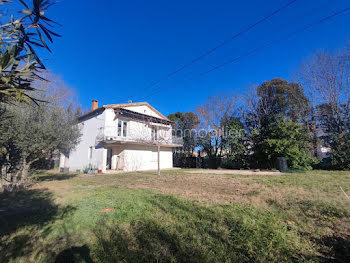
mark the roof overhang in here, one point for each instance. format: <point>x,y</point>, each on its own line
<point>119,142</point>
<point>141,117</point>
<point>120,109</point>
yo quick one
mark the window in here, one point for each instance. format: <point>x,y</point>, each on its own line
<point>122,128</point>
<point>90,152</point>
<point>125,128</point>
<point>119,128</point>
<point>154,134</point>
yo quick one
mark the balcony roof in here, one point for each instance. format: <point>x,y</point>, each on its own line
<point>135,142</point>
<point>122,106</point>
<point>140,116</point>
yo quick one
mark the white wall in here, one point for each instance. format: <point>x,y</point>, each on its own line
<point>79,158</point>
<point>136,130</point>
<point>140,157</point>
<point>144,110</point>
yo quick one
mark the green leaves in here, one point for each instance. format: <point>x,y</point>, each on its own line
<point>279,99</point>
<point>35,132</point>
<point>20,66</point>
<point>5,60</point>
<point>286,139</point>
<point>340,157</point>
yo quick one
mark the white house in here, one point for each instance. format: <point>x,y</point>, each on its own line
<point>123,137</point>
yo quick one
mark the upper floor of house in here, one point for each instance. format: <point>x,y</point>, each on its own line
<point>137,123</point>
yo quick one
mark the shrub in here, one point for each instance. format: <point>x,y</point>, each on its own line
<point>285,139</point>
<point>340,157</point>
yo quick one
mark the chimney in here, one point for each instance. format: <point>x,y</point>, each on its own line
<point>94,105</point>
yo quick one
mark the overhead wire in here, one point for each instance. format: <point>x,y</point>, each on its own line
<point>222,44</point>
<point>252,51</point>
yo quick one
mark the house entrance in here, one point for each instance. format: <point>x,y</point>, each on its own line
<point>109,159</point>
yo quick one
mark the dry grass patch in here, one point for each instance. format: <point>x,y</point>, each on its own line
<point>214,189</point>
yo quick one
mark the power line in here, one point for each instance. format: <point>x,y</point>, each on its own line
<point>268,44</point>
<point>207,53</point>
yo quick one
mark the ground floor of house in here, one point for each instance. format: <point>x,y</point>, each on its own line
<point>123,157</point>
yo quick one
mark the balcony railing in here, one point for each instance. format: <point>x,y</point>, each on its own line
<point>109,134</point>
<point>177,140</point>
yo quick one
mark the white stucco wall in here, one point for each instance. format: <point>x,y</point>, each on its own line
<point>79,158</point>
<point>144,110</point>
<point>139,157</point>
<point>136,131</point>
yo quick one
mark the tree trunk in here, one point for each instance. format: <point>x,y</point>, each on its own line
<point>25,172</point>
<point>24,169</point>
<point>6,177</point>
<point>3,172</point>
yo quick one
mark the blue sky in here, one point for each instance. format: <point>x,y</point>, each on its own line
<point>112,50</point>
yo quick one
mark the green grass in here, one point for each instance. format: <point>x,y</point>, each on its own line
<point>148,227</point>
<point>320,180</point>
<point>61,221</point>
<point>175,230</point>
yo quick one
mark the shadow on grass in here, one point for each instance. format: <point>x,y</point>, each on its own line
<point>25,217</point>
<point>54,176</point>
<point>338,248</point>
<point>333,247</point>
<point>74,254</point>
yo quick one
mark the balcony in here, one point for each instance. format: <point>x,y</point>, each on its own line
<point>177,140</point>
<point>109,135</point>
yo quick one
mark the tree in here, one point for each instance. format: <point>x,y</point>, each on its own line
<point>20,67</point>
<point>266,106</point>
<point>185,123</point>
<point>213,116</point>
<point>327,78</point>
<point>32,132</point>
<point>280,99</point>
<point>234,143</point>
<point>340,157</point>
<point>286,139</point>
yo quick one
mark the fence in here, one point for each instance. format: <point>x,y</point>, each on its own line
<point>183,161</point>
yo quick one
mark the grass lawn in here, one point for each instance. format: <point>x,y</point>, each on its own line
<point>178,217</point>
